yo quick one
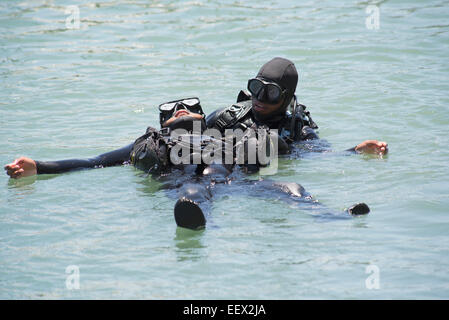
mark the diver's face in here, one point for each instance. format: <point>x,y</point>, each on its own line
<point>265,108</point>
<point>182,113</point>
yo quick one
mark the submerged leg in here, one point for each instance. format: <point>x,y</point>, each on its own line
<point>358,209</point>
<point>194,202</point>
<point>294,193</point>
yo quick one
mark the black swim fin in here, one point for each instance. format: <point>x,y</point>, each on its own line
<point>359,209</point>
<point>189,215</point>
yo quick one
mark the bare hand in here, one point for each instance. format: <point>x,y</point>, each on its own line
<point>372,146</point>
<point>21,167</point>
<point>182,113</point>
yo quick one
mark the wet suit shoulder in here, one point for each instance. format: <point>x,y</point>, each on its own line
<point>112,158</point>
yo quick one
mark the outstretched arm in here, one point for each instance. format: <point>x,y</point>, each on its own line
<point>367,146</point>
<point>24,167</point>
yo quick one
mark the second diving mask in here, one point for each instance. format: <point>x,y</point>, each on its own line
<point>168,109</point>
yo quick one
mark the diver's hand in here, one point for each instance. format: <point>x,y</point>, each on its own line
<point>21,167</point>
<point>372,146</point>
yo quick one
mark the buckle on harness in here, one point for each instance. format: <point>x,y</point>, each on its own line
<point>165,131</point>
<point>220,123</point>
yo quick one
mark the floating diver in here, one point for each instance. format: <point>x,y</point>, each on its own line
<point>270,104</point>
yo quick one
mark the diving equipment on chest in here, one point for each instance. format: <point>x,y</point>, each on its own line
<point>150,152</point>
<point>238,116</point>
<point>234,115</point>
<point>296,118</point>
<point>193,148</point>
<point>156,151</point>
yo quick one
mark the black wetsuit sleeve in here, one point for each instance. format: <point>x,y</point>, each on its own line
<point>352,150</point>
<point>212,118</point>
<point>112,158</point>
<point>307,133</point>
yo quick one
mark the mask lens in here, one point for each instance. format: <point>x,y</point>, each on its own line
<point>261,95</point>
<point>190,102</point>
<point>265,91</point>
<point>254,86</point>
<point>273,93</point>
<point>167,106</point>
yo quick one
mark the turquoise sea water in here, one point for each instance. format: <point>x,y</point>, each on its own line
<point>69,92</point>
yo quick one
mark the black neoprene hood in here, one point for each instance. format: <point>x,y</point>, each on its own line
<point>283,72</point>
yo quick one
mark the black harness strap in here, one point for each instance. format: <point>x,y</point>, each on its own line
<point>230,116</point>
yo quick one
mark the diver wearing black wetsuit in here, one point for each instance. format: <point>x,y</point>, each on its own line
<point>192,111</point>
<point>150,153</point>
<point>274,85</point>
<point>195,184</point>
<point>271,103</point>
<point>277,79</point>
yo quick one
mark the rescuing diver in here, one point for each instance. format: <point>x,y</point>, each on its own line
<point>271,101</point>
<point>270,104</point>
